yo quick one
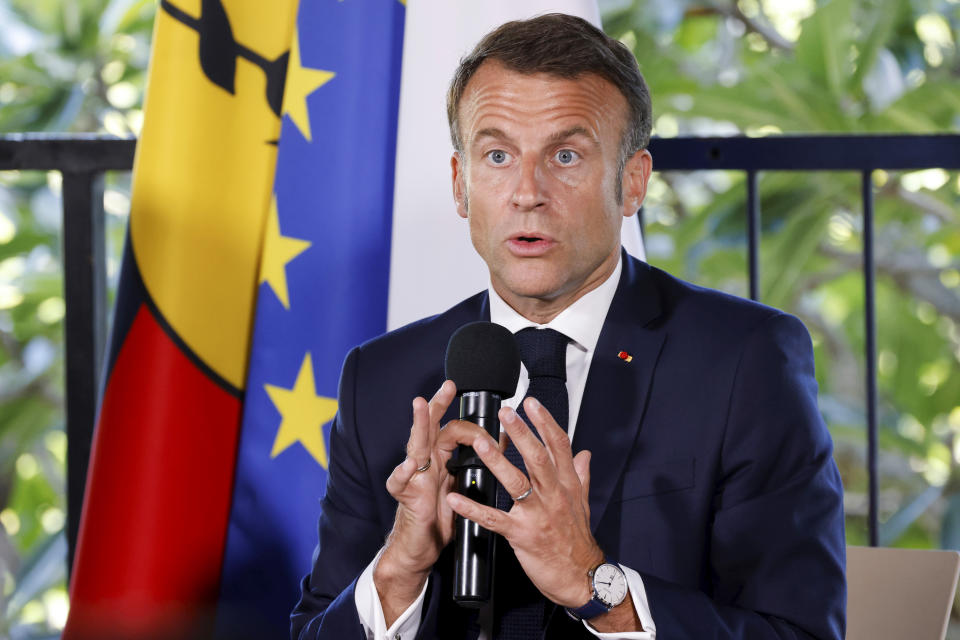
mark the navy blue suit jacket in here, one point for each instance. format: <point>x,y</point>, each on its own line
<point>711,475</point>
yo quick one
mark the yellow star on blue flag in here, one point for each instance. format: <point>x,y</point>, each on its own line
<point>301,82</point>
<point>303,414</point>
<point>278,250</point>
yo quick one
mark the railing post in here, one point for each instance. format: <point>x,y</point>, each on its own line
<point>870,319</point>
<point>85,293</point>
<point>753,235</point>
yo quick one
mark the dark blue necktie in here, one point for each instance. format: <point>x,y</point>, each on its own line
<point>519,608</point>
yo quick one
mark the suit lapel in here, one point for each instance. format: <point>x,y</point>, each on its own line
<point>616,392</point>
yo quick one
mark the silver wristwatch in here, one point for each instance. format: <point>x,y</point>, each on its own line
<point>609,588</point>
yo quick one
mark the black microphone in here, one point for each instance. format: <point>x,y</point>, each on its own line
<point>484,363</point>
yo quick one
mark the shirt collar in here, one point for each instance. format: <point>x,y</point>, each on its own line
<point>581,322</point>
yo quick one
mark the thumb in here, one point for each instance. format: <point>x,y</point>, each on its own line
<point>581,463</point>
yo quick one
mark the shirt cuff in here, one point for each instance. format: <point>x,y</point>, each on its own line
<point>638,594</point>
<point>367,600</point>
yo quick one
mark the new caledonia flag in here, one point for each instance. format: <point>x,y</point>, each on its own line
<point>267,237</point>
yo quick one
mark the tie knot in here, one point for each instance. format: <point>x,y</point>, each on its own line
<point>543,352</point>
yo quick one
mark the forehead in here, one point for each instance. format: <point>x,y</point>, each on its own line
<point>499,97</point>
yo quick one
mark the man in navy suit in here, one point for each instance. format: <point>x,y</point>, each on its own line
<point>694,467</point>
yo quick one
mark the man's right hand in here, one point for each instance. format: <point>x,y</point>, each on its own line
<point>424,522</point>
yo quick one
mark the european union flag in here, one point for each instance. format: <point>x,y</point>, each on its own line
<point>323,289</point>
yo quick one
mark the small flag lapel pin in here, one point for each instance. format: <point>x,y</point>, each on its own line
<point>626,357</point>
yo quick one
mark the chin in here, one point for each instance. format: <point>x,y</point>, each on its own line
<point>533,286</point>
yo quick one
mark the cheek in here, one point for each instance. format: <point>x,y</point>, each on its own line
<point>597,224</point>
<point>482,226</point>
<point>574,178</point>
<point>485,186</point>
<point>488,194</point>
<point>491,184</point>
<point>588,189</point>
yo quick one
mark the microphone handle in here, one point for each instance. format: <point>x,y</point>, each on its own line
<point>473,569</point>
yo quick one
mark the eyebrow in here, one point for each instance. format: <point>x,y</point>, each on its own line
<point>559,136</point>
<point>491,132</point>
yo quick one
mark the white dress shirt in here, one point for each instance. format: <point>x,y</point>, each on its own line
<point>581,322</point>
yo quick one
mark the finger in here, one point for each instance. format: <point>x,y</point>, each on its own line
<point>418,446</point>
<point>458,432</point>
<point>540,467</point>
<point>452,434</point>
<point>441,400</point>
<point>401,476</point>
<point>581,462</point>
<point>448,485</point>
<point>487,517</point>
<point>514,481</point>
<point>555,439</point>
<point>438,406</point>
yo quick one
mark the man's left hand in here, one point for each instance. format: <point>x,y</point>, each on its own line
<point>549,530</point>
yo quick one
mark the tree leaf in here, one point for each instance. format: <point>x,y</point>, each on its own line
<point>884,16</point>
<point>823,44</point>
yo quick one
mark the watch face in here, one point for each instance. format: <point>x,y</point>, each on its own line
<point>610,584</point>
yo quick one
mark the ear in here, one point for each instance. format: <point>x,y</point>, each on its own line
<point>459,186</point>
<point>636,175</point>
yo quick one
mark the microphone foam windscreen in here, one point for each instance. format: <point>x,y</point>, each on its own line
<point>483,356</point>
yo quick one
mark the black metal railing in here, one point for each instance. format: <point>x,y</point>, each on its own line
<point>83,160</point>
<point>862,154</point>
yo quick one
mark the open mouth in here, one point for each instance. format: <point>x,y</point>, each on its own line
<point>530,244</point>
<point>530,236</point>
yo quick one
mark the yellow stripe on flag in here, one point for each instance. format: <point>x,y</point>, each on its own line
<point>204,174</point>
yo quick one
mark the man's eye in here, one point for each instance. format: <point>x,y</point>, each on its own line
<point>567,156</point>
<point>498,156</point>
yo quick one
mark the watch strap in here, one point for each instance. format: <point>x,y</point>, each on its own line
<point>595,606</point>
<point>592,609</point>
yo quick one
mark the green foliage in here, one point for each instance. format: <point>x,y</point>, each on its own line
<point>76,66</point>
<point>846,66</point>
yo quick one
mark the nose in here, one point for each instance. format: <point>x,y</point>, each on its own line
<point>529,193</point>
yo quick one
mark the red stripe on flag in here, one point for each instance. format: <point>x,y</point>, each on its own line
<point>155,516</point>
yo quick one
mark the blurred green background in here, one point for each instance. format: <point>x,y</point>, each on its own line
<point>759,67</point>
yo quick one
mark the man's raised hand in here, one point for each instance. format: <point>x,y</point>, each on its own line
<point>549,530</point>
<point>424,522</point>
